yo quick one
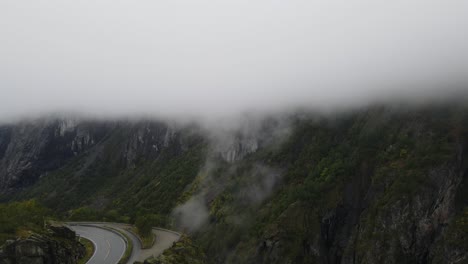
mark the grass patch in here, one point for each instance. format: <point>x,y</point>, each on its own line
<point>146,241</point>
<point>89,250</point>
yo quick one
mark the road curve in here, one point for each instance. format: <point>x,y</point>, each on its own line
<point>136,249</point>
<point>164,240</point>
<point>109,247</point>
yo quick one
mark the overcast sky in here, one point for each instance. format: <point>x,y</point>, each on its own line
<point>219,57</point>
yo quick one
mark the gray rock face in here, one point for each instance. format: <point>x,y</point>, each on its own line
<point>30,149</point>
<point>146,140</point>
<point>234,145</point>
<point>237,149</point>
<point>406,231</point>
<point>61,247</point>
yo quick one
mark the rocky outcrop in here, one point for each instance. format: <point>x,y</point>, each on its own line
<point>184,251</point>
<point>28,150</point>
<point>253,135</point>
<point>58,247</point>
<point>147,140</point>
<point>238,149</point>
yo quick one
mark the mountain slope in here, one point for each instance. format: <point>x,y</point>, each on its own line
<point>376,185</point>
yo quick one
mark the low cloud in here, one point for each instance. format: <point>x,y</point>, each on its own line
<point>215,58</point>
<point>264,180</point>
<point>224,166</point>
<point>191,215</point>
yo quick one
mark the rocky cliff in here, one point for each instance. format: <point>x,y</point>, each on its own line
<point>29,150</point>
<point>59,246</point>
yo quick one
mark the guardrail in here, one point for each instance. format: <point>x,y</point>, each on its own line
<point>123,224</point>
<point>135,235</point>
<point>167,230</point>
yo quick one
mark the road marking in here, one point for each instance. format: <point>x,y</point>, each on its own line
<point>108,252</point>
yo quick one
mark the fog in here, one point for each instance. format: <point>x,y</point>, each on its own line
<point>208,58</point>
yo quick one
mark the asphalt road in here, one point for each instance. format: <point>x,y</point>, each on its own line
<point>136,250</point>
<point>110,247</point>
<point>164,240</point>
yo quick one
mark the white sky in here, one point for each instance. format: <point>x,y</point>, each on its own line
<point>220,57</point>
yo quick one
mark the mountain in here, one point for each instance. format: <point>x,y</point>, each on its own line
<point>382,184</point>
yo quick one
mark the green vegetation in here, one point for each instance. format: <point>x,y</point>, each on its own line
<point>147,240</point>
<point>332,165</point>
<point>143,226</point>
<point>128,250</point>
<point>183,251</point>
<point>89,250</point>
<point>102,187</point>
<point>19,219</point>
<point>86,213</point>
<point>350,184</point>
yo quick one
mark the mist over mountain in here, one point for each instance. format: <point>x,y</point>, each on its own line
<point>186,59</point>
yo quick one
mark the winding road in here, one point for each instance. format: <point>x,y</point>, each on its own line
<point>109,247</point>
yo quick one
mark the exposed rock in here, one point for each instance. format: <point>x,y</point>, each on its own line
<point>30,149</point>
<point>60,247</point>
<point>234,145</point>
<point>182,252</point>
<point>238,149</point>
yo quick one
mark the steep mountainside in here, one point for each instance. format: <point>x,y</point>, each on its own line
<point>30,149</point>
<point>129,165</point>
<point>378,185</point>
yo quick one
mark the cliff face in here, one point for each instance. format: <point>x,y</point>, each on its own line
<point>71,164</point>
<point>59,247</point>
<point>369,225</point>
<point>30,149</point>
